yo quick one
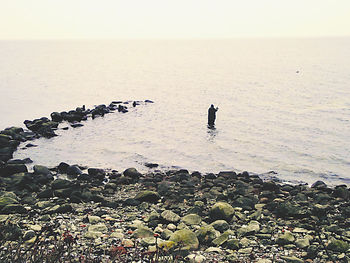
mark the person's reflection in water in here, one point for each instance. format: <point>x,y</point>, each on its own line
<point>212,132</point>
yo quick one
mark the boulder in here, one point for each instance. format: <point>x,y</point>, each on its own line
<point>40,169</point>
<point>170,216</point>
<point>221,210</point>
<point>192,219</point>
<point>206,234</point>
<point>13,209</point>
<point>220,225</point>
<point>73,170</point>
<point>338,245</point>
<point>97,173</point>
<point>132,173</point>
<point>61,184</point>
<point>10,169</point>
<point>186,238</point>
<point>148,196</point>
<point>285,239</point>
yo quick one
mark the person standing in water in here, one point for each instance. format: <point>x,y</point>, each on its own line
<point>212,115</point>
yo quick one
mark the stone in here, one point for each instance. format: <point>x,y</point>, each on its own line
<point>252,228</point>
<point>206,234</point>
<point>93,234</point>
<point>292,259</point>
<point>74,170</point>
<point>10,169</point>
<point>65,208</point>
<point>338,245</point>
<point>170,216</point>
<point>5,200</point>
<point>302,242</point>
<point>97,173</point>
<point>98,228</point>
<point>13,209</point>
<point>192,219</point>
<point>319,185</point>
<point>132,173</point>
<point>214,250</point>
<point>61,184</point>
<point>232,244</point>
<point>222,238</point>
<point>142,232</point>
<point>221,210</point>
<point>220,225</point>
<point>194,258</point>
<point>40,169</point>
<point>186,238</point>
<point>285,238</point>
<point>247,250</point>
<point>29,234</point>
<point>148,196</point>
<point>94,219</point>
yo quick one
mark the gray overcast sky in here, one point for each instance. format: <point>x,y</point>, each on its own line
<point>52,19</point>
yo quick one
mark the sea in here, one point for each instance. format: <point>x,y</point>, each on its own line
<point>284,104</point>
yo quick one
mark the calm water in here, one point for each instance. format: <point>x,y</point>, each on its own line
<point>284,105</point>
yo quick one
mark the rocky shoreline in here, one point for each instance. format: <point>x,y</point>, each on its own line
<point>109,216</point>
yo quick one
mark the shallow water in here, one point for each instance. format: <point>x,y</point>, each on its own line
<point>284,105</point>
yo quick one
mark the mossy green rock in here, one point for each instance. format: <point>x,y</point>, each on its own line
<point>222,238</point>
<point>221,210</point>
<point>186,239</point>
<point>192,219</point>
<point>206,234</point>
<point>232,244</point>
<point>148,196</point>
<point>285,238</point>
<point>98,228</point>
<point>302,242</point>
<point>338,245</point>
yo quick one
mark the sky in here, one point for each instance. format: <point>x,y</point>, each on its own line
<point>125,19</point>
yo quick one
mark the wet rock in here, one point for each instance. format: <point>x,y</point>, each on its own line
<point>10,169</point>
<point>40,169</point>
<point>148,196</point>
<point>73,170</point>
<point>151,165</point>
<point>56,117</point>
<point>47,193</point>
<point>97,173</point>
<point>61,184</point>
<point>132,173</point>
<point>6,153</point>
<point>221,210</point>
<point>319,185</point>
<point>187,238</point>
<point>62,167</point>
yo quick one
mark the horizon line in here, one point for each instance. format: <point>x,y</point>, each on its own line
<point>176,38</point>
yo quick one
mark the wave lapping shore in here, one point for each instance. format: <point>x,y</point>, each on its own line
<point>79,214</point>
